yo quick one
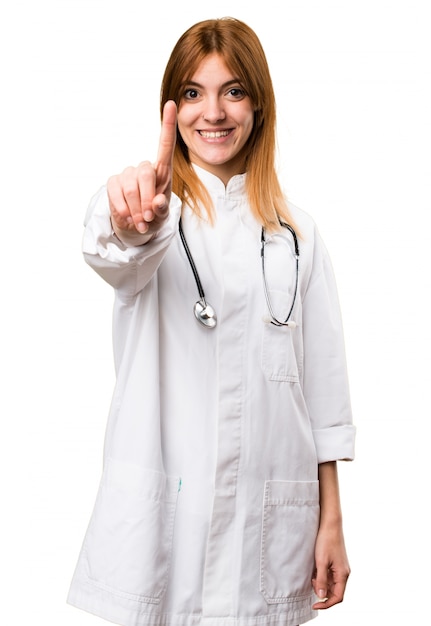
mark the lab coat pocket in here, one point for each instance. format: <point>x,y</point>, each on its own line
<point>129,541</point>
<point>281,345</point>
<point>289,529</point>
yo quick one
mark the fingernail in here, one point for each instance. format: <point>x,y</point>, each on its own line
<point>322,594</point>
<point>148,216</point>
<point>142,228</point>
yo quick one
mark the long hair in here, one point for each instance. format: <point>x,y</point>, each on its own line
<point>243,54</point>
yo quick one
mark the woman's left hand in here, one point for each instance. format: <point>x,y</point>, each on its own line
<point>332,567</point>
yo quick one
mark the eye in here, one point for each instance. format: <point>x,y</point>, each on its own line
<point>236,93</point>
<point>191,94</point>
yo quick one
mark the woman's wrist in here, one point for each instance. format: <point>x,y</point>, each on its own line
<point>330,505</point>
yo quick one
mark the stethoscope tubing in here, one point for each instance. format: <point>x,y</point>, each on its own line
<point>274,320</point>
<point>191,261</point>
<point>204,312</point>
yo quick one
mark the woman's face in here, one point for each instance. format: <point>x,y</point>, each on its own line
<point>215,119</point>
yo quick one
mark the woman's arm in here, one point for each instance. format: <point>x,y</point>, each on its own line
<point>332,565</point>
<point>131,210</point>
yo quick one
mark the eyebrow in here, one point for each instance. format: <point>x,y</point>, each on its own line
<point>192,83</point>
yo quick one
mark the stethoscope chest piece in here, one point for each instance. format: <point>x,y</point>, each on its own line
<point>205,314</point>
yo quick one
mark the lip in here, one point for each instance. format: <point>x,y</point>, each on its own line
<point>212,134</point>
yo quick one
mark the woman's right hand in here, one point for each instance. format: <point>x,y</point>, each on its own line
<point>139,196</point>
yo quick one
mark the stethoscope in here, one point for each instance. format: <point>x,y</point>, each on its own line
<point>203,310</point>
<point>273,319</point>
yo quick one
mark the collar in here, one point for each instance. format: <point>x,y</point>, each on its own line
<point>235,186</point>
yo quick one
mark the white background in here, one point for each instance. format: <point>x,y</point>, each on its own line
<point>80,82</point>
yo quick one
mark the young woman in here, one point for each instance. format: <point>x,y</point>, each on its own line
<point>219,501</point>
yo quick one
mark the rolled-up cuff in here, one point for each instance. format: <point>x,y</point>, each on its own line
<point>336,443</point>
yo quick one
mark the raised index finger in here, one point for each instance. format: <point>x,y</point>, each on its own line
<point>168,134</point>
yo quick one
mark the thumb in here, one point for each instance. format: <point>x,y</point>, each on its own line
<point>320,585</point>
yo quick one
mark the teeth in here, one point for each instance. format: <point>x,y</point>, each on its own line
<point>214,135</point>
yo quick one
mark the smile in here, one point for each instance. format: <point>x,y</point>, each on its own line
<point>214,134</point>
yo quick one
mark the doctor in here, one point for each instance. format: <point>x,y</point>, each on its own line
<point>219,501</point>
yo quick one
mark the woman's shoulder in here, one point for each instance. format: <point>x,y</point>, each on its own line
<point>304,221</point>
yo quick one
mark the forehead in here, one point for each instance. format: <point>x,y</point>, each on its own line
<point>212,70</point>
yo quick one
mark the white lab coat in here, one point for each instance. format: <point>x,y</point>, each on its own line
<point>208,504</point>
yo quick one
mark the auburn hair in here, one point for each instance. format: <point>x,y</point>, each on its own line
<point>243,54</point>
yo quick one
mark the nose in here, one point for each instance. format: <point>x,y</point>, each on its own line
<point>213,111</point>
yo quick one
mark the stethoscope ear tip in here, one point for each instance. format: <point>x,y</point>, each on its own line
<point>269,320</point>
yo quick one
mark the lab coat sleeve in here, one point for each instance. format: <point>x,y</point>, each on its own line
<point>127,269</point>
<point>326,386</point>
